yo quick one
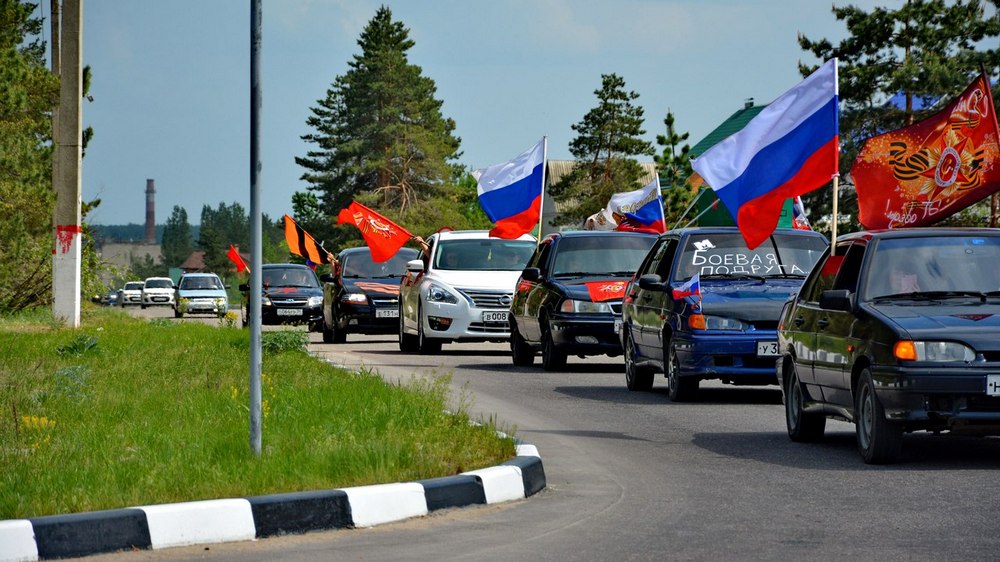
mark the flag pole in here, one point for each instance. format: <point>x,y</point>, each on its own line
<point>541,202</point>
<point>836,196</point>
<point>686,211</point>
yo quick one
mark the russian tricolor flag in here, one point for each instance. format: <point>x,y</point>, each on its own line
<point>641,209</point>
<point>691,288</point>
<point>789,148</point>
<point>511,193</point>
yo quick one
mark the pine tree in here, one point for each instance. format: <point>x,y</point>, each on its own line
<point>607,138</point>
<point>674,167</point>
<point>380,129</point>
<point>926,50</point>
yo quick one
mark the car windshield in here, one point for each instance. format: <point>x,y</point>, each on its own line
<point>726,255</point>
<point>360,264</point>
<point>600,255</point>
<point>200,283</point>
<point>289,277</point>
<point>941,266</point>
<point>159,284</point>
<point>134,286</point>
<point>493,254</point>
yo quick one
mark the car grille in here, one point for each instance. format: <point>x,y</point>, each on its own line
<point>501,328</point>
<point>616,307</point>
<point>385,302</point>
<point>289,303</point>
<point>488,299</point>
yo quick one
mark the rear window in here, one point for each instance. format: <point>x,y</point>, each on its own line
<point>726,254</point>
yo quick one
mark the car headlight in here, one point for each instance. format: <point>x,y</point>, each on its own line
<point>584,307</point>
<point>437,293</point>
<point>708,322</point>
<point>942,351</point>
<point>355,298</point>
<point>314,301</point>
<point>265,301</point>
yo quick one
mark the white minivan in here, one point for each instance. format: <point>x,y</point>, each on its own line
<point>460,289</point>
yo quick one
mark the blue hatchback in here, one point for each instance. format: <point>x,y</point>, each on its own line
<point>703,306</point>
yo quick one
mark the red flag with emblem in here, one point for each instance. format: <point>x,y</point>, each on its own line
<point>601,291</point>
<point>921,174</point>
<point>384,237</point>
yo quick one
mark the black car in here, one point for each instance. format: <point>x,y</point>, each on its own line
<point>703,306</point>
<point>896,331</point>
<point>568,300</point>
<point>291,294</point>
<point>362,296</point>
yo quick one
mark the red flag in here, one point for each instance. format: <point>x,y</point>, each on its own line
<point>601,291</point>
<point>301,243</point>
<point>923,173</point>
<point>236,258</point>
<point>384,237</point>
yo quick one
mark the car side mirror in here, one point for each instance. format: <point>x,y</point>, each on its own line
<point>415,266</point>
<point>244,287</point>
<point>327,278</point>
<point>839,299</point>
<point>532,274</point>
<point>651,282</point>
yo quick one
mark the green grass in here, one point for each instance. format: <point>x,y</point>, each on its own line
<point>122,413</point>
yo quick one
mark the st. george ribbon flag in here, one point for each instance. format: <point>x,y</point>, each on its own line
<point>511,193</point>
<point>791,147</point>
<point>383,237</point>
<point>921,174</point>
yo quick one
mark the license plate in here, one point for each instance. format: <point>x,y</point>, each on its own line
<point>497,316</point>
<point>992,385</point>
<point>618,325</point>
<point>767,349</point>
<point>386,313</point>
<point>289,312</point>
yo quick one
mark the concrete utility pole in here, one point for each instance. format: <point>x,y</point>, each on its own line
<point>254,296</point>
<point>66,218</point>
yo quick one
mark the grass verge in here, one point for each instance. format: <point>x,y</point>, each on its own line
<point>123,412</point>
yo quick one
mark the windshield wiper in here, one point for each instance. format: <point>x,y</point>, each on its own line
<point>571,274</point>
<point>935,295</point>
<point>786,276</point>
<point>733,276</point>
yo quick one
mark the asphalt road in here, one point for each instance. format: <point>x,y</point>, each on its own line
<point>632,476</point>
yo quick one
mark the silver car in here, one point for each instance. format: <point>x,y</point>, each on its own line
<point>461,289</point>
<point>200,293</point>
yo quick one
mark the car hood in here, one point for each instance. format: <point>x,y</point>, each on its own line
<point>976,323</point>
<point>483,280</point>
<point>201,293</point>
<point>750,301</point>
<point>371,285</point>
<point>580,289</point>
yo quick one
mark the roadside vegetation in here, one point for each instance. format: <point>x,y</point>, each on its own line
<point>124,412</point>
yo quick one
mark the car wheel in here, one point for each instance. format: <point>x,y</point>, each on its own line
<point>330,333</point>
<point>142,306</point>
<point>426,345</point>
<point>879,440</point>
<point>553,358</point>
<point>680,389</point>
<point>636,378</point>
<point>178,313</point>
<point>802,427</point>
<point>520,352</point>
<point>244,317</point>
<point>407,343</point>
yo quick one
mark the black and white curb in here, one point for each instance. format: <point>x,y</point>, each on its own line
<point>241,519</point>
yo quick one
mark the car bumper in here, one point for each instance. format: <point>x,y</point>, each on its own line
<point>731,357</point>
<point>273,315</point>
<point>586,334</point>
<point>202,306</point>
<point>158,300</point>
<point>368,319</point>
<point>947,398</point>
<point>462,322</point>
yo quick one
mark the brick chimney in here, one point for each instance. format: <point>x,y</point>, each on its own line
<point>150,213</point>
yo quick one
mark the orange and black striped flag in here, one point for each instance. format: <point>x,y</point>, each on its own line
<point>301,243</point>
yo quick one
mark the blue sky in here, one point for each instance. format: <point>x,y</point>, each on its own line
<point>171,80</point>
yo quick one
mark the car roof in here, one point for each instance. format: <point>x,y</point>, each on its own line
<point>473,235</point>
<point>285,266</point>
<point>364,249</point>
<point>597,233</point>
<point>733,229</point>
<point>920,232</point>
<point>199,274</point>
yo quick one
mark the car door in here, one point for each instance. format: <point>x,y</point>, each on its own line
<point>530,294</point>
<point>799,328</point>
<point>649,303</point>
<point>409,290</point>
<point>833,332</point>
